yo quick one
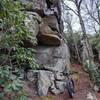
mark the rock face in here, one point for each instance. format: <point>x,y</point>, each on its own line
<point>44,82</point>
<point>49,31</point>
<point>53,57</point>
<point>55,60</point>
<point>52,22</point>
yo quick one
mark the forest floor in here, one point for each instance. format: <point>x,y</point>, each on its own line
<point>83,88</point>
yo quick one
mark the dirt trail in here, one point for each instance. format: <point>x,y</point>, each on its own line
<point>83,87</point>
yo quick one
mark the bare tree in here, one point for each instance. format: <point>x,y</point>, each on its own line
<point>68,20</point>
<point>93,9</point>
<point>85,37</point>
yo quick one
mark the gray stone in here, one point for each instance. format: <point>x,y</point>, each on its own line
<point>49,39</point>
<point>46,35</point>
<point>52,22</point>
<point>54,90</point>
<point>57,87</point>
<point>60,85</point>
<point>63,53</point>
<point>59,76</point>
<point>44,82</point>
<point>54,58</point>
<point>44,56</point>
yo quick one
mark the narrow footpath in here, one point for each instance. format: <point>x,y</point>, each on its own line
<point>83,88</point>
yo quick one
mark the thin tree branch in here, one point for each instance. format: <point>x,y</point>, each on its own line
<point>95,19</point>
<point>98,11</point>
<point>69,8</point>
<point>80,2</point>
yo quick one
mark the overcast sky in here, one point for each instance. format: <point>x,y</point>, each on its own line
<point>75,21</point>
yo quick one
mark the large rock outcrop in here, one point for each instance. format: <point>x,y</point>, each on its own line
<point>52,52</point>
<point>55,60</point>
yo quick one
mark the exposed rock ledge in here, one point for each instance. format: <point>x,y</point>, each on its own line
<point>44,21</point>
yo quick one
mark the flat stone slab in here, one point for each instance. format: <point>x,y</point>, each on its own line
<point>49,39</point>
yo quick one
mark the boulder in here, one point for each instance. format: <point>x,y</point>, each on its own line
<point>47,36</point>
<point>49,39</point>
<point>63,52</point>
<point>52,22</point>
<point>54,58</point>
<point>61,59</point>
<point>43,56</point>
<point>59,65</point>
<point>60,86</point>
<point>54,90</point>
<point>57,87</point>
<point>44,82</point>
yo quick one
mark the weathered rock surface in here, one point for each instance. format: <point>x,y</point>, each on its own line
<point>44,22</point>
<point>59,76</point>
<point>52,22</point>
<point>55,60</point>
<point>49,32</point>
<point>44,82</point>
<point>60,86</point>
<point>49,39</point>
<point>54,90</point>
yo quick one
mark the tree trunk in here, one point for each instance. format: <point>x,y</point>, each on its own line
<point>85,37</point>
<point>75,43</point>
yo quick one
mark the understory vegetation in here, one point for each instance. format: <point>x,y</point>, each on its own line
<point>13,55</point>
